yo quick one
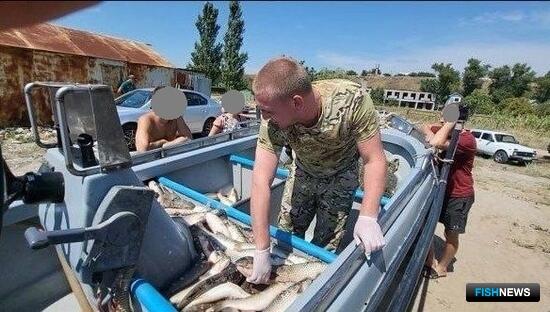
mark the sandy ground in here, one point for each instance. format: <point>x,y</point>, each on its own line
<point>507,238</point>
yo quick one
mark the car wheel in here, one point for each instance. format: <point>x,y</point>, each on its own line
<point>500,157</point>
<point>207,126</point>
<point>129,131</point>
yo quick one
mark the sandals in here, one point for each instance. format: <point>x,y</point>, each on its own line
<point>430,273</point>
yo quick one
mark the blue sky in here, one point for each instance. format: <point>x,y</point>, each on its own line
<point>400,36</point>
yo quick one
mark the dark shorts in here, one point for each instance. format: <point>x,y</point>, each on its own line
<point>454,213</point>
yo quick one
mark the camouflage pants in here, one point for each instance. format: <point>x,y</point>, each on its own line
<point>329,199</point>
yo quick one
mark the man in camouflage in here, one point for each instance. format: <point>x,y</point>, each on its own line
<point>328,125</point>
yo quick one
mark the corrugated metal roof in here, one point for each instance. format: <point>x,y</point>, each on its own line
<point>59,39</point>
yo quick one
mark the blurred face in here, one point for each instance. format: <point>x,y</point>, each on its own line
<point>278,112</point>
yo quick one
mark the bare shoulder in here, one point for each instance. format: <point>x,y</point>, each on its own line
<point>146,118</point>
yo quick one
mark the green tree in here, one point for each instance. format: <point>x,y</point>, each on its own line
<point>517,106</point>
<point>421,74</point>
<point>510,81</point>
<point>448,81</point>
<point>232,70</point>
<point>364,73</point>
<point>473,73</point>
<point>351,73</point>
<point>429,85</point>
<point>208,54</point>
<point>377,96</point>
<point>480,102</point>
<point>542,92</point>
<point>325,73</point>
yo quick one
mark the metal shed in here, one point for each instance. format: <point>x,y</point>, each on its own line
<point>47,52</point>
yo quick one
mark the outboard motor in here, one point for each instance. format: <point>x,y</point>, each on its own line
<point>104,222</point>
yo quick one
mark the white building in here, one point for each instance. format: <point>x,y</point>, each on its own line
<point>411,99</point>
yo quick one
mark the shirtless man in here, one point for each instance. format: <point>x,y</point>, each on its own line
<point>154,132</point>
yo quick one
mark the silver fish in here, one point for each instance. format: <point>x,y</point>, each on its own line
<point>194,218</point>
<point>235,232</point>
<point>174,212</point>
<point>224,291</point>
<point>284,299</point>
<point>216,224</point>
<point>228,243</point>
<point>230,274</point>
<point>256,302</point>
<point>286,273</point>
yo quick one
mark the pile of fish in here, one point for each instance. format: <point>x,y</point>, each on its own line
<point>218,281</point>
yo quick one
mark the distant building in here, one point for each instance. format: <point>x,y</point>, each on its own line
<point>46,52</point>
<point>411,99</point>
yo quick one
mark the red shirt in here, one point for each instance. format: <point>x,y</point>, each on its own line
<point>461,182</point>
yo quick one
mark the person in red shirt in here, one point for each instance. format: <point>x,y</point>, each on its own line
<point>459,195</point>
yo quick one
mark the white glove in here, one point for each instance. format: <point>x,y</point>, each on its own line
<point>261,267</point>
<point>367,231</point>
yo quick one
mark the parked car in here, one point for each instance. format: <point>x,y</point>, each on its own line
<point>200,113</point>
<point>502,147</point>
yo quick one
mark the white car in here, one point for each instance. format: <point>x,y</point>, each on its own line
<point>200,113</point>
<point>502,147</point>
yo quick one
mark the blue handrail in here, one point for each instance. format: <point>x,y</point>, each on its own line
<point>149,298</point>
<point>275,232</point>
<point>283,174</point>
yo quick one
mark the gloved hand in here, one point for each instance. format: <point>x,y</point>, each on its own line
<point>261,267</point>
<point>367,231</point>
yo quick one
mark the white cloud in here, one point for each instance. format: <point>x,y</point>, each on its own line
<point>532,18</point>
<point>495,54</point>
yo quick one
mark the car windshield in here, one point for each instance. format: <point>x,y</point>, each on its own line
<point>505,138</point>
<point>133,99</point>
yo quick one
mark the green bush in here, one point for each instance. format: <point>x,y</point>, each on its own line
<point>480,102</point>
<point>517,106</point>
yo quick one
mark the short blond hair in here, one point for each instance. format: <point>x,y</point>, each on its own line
<point>282,77</point>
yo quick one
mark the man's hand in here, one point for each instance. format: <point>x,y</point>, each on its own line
<point>261,267</point>
<point>175,142</point>
<point>367,231</point>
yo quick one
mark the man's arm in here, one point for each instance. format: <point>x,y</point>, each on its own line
<point>262,177</point>
<point>374,177</point>
<point>217,126</point>
<point>440,139</point>
<point>183,129</point>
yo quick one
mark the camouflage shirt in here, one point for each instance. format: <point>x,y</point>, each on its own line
<point>329,147</point>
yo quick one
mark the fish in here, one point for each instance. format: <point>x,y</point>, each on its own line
<point>194,218</point>
<point>224,291</point>
<point>236,255</point>
<point>256,302</point>
<point>221,264</point>
<point>305,284</point>
<point>216,224</point>
<point>228,243</point>
<point>284,299</point>
<point>174,212</point>
<point>224,200</point>
<point>285,273</point>
<point>184,297</point>
<point>235,232</point>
